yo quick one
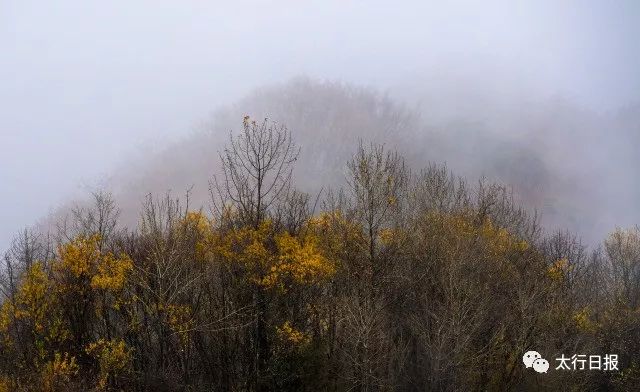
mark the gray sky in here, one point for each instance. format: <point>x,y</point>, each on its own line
<point>84,84</point>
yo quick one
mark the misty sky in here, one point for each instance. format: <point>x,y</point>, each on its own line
<point>85,84</point>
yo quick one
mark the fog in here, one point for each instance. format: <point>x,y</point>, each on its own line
<point>118,94</point>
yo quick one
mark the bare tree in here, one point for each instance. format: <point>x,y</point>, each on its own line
<point>257,167</point>
<point>623,250</point>
<point>377,181</point>
<point>100,218</point>
<point>26,248</point>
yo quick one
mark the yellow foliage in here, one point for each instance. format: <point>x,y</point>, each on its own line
<point>290,335</point>
<point>36,306</point>
<point>388,236</point>
<point>583,320</point>
<point>459,239</point>
<point>111,272</point>
<point>58,373</point>
<point>6,310</point>
<point>32,300</point>
<point>79,255</point>
<point>300,261</point>
<point>497,241</point>
<point>321,221</point>
<point>336,233</point>
<point>198,224</point>
<point>82,258</point>
<point>114,358</point>
<point>245,245</point>
<point>33,291</point>
<point>5,384</point>
<point>179,319</point>
<point>558,270</point>
<point>292,260</point>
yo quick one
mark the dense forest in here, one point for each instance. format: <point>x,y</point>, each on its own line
<point>402,278</point>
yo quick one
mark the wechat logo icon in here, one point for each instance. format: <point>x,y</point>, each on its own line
<point>534,359</point>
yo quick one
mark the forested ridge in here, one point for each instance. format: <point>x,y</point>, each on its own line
<point>402,279</point>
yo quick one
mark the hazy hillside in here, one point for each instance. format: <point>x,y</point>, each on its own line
<point>343,196</point>
<point>574,166</point>
<point>405,277</point>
